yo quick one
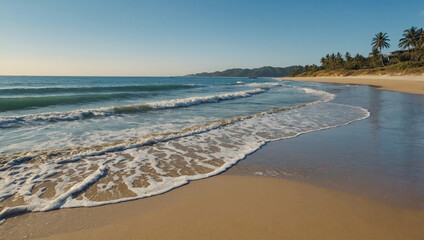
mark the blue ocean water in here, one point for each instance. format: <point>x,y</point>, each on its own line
<point>88,141</point>
<point>45,112</point>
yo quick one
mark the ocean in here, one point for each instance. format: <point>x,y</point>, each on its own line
<point>89,141</point>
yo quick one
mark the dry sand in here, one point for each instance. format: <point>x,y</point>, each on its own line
<point>228,207</point>
<point>408,84</point>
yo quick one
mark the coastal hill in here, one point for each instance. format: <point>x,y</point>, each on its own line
<point>255,72</point>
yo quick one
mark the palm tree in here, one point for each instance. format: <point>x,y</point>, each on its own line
<point>360,61</point>
<point>332,61</point>
<point>339,61</point>
<point>420,37</point>
<point>410,38</point>
<point>348,57</point>
<point>420,43</point>
<point>380,41</point>
<point>323,62</point>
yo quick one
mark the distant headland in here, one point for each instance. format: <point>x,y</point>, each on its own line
<point>266,71</point>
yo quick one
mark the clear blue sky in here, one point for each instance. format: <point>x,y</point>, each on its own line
<point>176,37</point>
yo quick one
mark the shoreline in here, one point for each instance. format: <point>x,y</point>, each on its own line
<point>229,207</point>
<point>411,84</point>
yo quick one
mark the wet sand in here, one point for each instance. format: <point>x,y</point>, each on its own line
<point>380,157</point>
<point>407,84</point>
<point>228,207</point>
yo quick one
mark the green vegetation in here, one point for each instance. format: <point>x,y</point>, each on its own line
<point>255,72</point>
<point>408,60</point>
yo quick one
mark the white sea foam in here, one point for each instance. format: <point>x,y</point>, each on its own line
<point>326,95</point>
<point>12,121</point>
<point>132,170</point>
<point>265,84</point>
<point>208,99</point>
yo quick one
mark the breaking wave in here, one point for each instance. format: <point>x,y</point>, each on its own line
<point>13,121</point>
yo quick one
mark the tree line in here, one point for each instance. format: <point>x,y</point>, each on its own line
<point>411,50</point>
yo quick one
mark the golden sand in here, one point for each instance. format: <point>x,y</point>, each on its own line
<point>407,84</point>
<point>228,207</point>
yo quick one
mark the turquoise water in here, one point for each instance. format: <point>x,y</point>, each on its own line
<point>89,141</point>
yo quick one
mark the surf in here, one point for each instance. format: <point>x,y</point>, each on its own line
<point>14,121</point>
<point>215,147</point>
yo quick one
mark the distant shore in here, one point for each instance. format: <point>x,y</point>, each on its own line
<point>413,84</point>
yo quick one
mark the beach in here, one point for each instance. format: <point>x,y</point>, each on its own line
<point>231,207</point>
<point>358,181</point>
<point>413,84</point>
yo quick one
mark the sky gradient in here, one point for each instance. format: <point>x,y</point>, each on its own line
<point>163,38</point>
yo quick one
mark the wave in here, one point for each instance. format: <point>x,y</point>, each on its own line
<point>76,153</point>
<point>265,84</point>
<point>326,95</point>
<point>257,84</point>
<point>140,168</point>
<point>20,103</point>
<point>13,121</point>
<point>61,90</point>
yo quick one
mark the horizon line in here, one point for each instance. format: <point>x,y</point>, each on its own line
<point>27,75</point>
